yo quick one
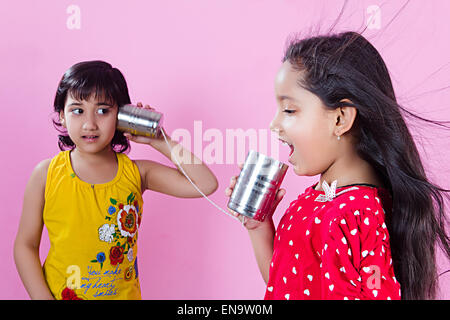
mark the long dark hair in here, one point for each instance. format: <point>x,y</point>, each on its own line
<point>346,66</point>
<point>88,78</point>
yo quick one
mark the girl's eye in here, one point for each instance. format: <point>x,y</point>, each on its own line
<point>289,111</point>
<point>77,111</point>
<point>103,111</point>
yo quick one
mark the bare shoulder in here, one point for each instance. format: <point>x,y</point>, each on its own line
<point>144,163</point>
<point>39,176</point>
<point>34,191</point>
<point>42,166</point>
<point>146,166</point>
<point>30,227</point>
<point>40,171</point>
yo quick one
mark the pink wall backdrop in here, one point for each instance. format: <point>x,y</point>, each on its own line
<point>197,60</point>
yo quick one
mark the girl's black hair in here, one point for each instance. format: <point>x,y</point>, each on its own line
<point>88,78</point>
<point>346,66</point>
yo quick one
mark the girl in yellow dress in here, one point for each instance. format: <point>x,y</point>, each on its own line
<point>89,196</point>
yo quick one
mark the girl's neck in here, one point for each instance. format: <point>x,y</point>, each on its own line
<point>95,168</point>
<point>348,171</point>
<point>103,156</point>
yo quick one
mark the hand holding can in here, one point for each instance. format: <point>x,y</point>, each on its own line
<point>255,193</point>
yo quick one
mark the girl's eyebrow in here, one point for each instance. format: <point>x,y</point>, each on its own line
<point>102,103</point>
<point>75,104</point>
<point>281,98</point>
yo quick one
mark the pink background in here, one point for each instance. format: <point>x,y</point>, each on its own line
<point>208,60</point>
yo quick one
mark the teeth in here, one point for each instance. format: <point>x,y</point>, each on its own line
<point>288,144</point>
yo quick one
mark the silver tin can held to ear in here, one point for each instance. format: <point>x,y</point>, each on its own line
<point>139,121</point>
<point>257,186</point>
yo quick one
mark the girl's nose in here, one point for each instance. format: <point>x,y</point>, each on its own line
<point>274,125</point>
<point>90,123</point>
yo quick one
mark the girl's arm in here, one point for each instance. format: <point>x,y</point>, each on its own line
<point>262,242</point>
<point>261,233</point>
<point>171,181</point>
<point>26,245</point>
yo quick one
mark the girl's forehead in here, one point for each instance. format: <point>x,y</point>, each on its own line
<point>289,87</point>
<point>287,76</point>
<point>287,81</point>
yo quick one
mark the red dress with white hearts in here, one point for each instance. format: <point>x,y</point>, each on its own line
<point>335,248</point>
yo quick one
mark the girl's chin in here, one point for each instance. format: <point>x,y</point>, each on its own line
<point>298,166</point>
<point>293,159</point>
<point>295,166</point>
<point>297,170</point>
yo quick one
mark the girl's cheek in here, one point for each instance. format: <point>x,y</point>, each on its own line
<point>291,126</point>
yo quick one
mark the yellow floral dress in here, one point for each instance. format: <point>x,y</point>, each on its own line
<point>93,232</point>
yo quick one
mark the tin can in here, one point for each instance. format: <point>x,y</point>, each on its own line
<point>139,121</point>
<point>257,186</point>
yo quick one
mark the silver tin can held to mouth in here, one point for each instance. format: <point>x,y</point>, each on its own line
<point>257,186</point>
<point>139,121</point>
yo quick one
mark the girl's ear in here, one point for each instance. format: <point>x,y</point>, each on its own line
<point>62,120</point>
<point>345,117</point>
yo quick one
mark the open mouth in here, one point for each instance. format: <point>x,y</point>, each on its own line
<point>90,137</point>
<point>288,144</point>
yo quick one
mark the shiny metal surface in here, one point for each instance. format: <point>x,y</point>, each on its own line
<point>139,121</point>
<point>257,185</point>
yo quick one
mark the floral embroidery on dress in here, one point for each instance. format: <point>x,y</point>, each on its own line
<point>129,273</point>
<point>101,257</point>
<point>127,221</point>
<point>121,235</point>
<point>106,232</point>
<point>69,294</point>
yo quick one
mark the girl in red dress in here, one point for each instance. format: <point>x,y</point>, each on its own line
<point>368,228</point>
